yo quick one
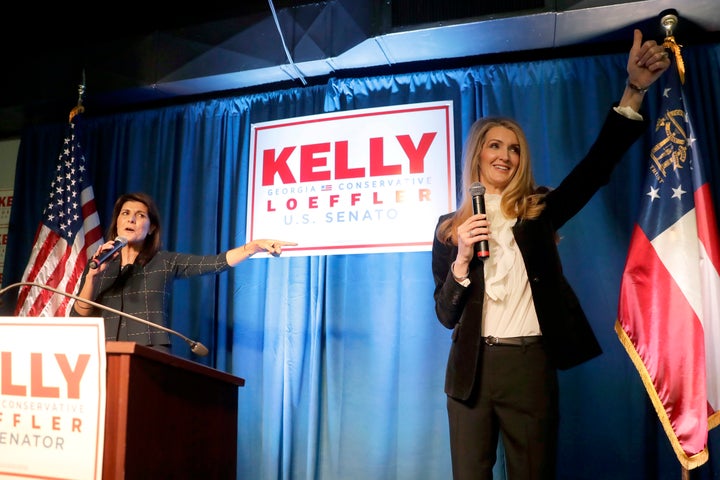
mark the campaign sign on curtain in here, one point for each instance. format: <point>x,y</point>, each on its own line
<point>361,181</point>
<point>52,397</point>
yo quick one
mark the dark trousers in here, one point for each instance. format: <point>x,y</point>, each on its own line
<point>516,396</point>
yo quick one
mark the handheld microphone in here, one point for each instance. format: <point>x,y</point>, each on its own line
<point>477,190</point>
<point>119,243</point>
<point>196,347</point>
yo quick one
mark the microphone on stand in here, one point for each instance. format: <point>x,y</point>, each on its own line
<point>196,347</point>
<point>477,190</point>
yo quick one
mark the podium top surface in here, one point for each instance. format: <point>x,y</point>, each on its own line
<point>134,349</point>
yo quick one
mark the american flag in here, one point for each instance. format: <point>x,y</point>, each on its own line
<point>669,308</point>
<point>69,229</point>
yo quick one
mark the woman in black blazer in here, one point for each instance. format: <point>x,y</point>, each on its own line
<point>515,318</point>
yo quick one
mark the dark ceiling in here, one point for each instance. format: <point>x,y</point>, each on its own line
<point>141,55</point>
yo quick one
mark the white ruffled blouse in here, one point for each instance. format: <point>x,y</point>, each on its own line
<point>508,309</point>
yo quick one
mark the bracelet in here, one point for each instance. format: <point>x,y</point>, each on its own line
<point>452,269</point>
<point>636,88</point>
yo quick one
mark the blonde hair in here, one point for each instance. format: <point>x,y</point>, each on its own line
<point>521,198</point>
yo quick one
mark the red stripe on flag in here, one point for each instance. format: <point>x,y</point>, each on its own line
<point>661,320</point>
<point>707,224</point>
<point>39,257</point>
<point>710,271</point>
<point>51,274</point>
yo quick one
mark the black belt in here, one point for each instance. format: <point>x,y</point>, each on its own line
<point>513,341</point>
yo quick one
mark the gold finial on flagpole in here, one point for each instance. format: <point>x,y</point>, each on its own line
<point>81,95</point>
<point>669,22</point>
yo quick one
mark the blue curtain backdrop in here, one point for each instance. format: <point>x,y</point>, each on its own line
<point>342,355</point>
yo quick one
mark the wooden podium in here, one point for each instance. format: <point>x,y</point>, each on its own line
<point>168,417</point>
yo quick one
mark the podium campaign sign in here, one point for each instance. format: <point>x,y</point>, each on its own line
<point>52,397</point>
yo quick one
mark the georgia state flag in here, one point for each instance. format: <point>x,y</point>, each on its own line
<point>669,308</point>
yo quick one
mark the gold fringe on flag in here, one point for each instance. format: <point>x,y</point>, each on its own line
<point>76,110</point>
<point>672,45</point>
<point>687,462</point>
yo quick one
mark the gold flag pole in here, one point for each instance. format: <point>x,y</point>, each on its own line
<point>669,22</point>
<point>79,108</point>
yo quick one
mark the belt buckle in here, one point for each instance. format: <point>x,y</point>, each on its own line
<point>491,340</point>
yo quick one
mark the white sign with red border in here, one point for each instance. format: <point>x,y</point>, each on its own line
<point>52,397</point>
<point>362,181</point>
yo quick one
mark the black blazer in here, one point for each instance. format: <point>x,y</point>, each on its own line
<point>568,337</point>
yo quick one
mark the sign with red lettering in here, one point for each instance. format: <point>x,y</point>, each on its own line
<point>361,181</point>
<point>52,397</point>
<point>6,199</point>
